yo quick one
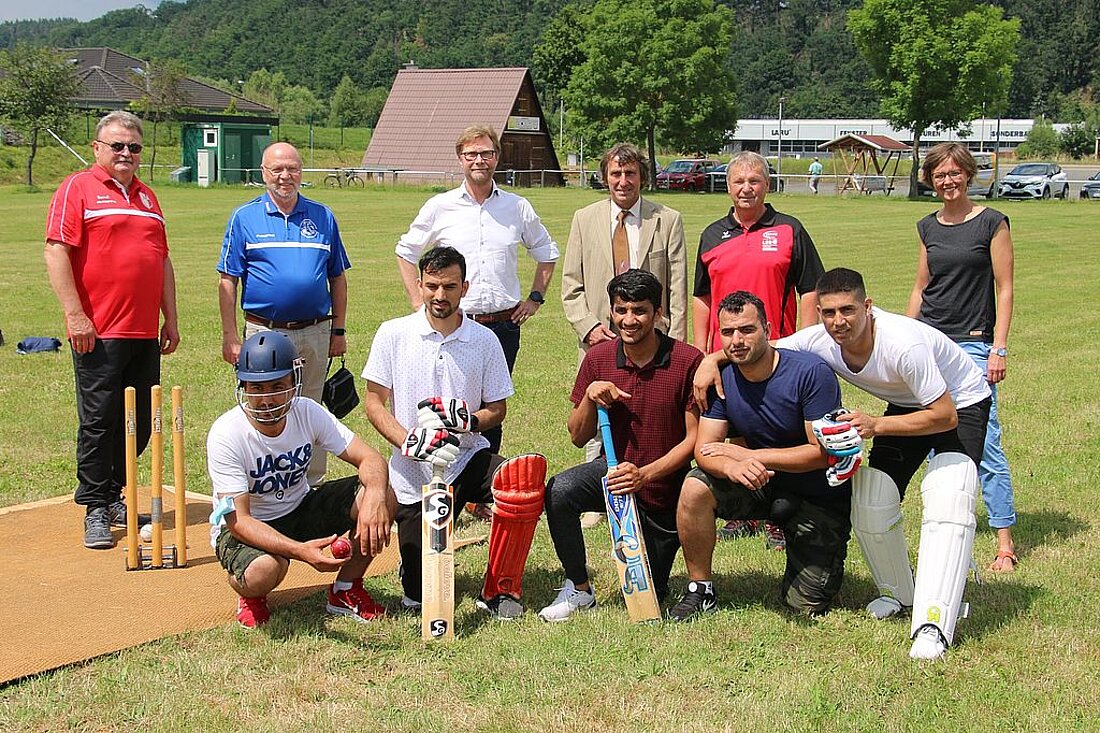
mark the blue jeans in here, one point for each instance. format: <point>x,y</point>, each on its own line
<point>993,471</point>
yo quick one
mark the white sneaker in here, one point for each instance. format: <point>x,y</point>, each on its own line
<point>885,607</point>
<point>591,519</point>
<point>928,644</point>
<point>569,600</point>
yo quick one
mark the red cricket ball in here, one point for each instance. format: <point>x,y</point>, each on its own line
<point>341,548</point>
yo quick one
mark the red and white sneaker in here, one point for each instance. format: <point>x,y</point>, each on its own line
<point>252,612</point>
<point>354,602</point>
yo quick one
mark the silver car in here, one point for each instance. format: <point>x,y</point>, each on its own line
<point>1090,189</point>
<point>1034,181</point>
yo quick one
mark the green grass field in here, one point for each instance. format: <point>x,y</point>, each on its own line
<point>1024,661</point>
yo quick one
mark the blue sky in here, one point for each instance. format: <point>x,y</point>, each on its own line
<point>79,9</point>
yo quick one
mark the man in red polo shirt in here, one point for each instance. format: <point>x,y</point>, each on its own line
<point>107,259</point>
<point>644,379</point>
<point>759,250</point>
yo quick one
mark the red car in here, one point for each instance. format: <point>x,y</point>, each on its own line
<point>686,174</point>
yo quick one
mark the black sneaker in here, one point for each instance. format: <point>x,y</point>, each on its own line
<point>695,602</point>
<point>97,530</point>
<point>736,528</point>
<point>774,539</point>
<point>501,607</point>
<point>117,514</point>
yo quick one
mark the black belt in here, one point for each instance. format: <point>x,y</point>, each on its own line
<point>285,325</point>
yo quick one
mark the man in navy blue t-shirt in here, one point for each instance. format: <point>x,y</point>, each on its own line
<point>773,467</point>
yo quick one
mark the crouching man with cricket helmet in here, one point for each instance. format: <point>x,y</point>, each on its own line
<point>265,513</point>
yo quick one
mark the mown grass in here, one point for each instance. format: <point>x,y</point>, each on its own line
<point>1024,661</point>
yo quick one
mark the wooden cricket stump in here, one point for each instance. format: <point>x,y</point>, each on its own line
<point>156,555</point>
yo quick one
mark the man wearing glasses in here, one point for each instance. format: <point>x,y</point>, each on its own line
<point>107,260</point>
<point>488,226</point>
<point>287,251</point>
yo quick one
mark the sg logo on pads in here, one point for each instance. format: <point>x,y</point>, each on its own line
<point>438,627</point>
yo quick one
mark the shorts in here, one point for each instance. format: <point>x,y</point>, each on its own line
<point>817,529</point>
<point>324,511</point>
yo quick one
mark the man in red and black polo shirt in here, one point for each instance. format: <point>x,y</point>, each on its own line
<point>107,259</point>
<point>756,249</point>
<point>644,380</point>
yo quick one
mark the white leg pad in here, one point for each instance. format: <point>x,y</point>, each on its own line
<point>949,492</point>
<point>876,521</point>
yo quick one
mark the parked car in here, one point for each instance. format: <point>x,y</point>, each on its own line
<point>1034,181</point>
<point>1091,188</point>
<point>983,184</point>
<point>716,179</point>
<point>686,174</point>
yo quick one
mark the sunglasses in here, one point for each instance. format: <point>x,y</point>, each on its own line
<point>134,148</point>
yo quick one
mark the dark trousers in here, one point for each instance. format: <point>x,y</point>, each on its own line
<point>580,489</point>
<point>816,527</point>
<point>102,375</point>
<point>473,484</point>
<point>508,335</point>
<point>899,456</point>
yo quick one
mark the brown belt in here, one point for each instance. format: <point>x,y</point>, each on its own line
<point>285,325</point>
<point>498,317</point>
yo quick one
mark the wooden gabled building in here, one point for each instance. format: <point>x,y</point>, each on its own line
<point>427,109</point>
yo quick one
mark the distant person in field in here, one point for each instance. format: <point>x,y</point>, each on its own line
<point>964,288</point>
<point>759,250</point>
<point>643,377</point>
<point>815,174</point>
<point>771,468</point>
<point>285,252</point>
<point>265,510</point>
<point>489,226</point>
<point>107,260</point>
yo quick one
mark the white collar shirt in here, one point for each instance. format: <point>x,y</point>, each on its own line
<point>414,361</point>
<point>633,224</point>
<point>488,235</point>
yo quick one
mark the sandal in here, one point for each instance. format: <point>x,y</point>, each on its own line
<point>997,566</point>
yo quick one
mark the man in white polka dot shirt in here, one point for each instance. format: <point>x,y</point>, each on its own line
<point>436,351</point>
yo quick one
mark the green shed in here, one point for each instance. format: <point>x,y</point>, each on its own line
<point>223,151</point>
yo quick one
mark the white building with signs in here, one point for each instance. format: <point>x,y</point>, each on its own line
<point>800,138</point>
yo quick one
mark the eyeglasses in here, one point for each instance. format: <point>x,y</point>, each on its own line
<point>953,175</point>
<point>134,148</point>
<point>290,171</point>
<point>472,155</point>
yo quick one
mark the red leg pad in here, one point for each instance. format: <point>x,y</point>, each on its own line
<point>519,487</point>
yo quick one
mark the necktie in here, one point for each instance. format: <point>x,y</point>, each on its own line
<point>620,245</point>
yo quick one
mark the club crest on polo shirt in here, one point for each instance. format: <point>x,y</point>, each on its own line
<point>278,473</point>
<point>145,201</point>
<point>770,241</point>
<point>308,228</point>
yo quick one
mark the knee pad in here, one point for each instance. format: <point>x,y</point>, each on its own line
<point>949,493</point>
<point>876,522</point>
<point>519,489</point>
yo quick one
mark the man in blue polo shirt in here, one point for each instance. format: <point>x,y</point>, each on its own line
<point>286,252</point>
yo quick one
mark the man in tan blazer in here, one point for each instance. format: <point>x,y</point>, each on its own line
<point>650,237</point>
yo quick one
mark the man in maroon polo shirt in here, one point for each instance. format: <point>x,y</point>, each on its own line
<point>107,260</point>
<point>644,380</point>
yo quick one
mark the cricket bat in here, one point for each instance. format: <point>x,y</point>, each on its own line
<point>627,542</point>
<point>437,566</point>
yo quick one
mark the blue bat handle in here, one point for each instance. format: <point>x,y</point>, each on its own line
<point>605,432</point>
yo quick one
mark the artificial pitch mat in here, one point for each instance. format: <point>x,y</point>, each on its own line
<point>61,603</point>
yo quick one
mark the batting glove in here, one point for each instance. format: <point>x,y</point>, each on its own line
<point>449,414</point>
<point>842,468</point>
<point>438,447</point>
<point>836,437</point>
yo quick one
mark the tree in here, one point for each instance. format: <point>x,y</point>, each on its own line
<point>936,62</point>
<point>163,100</point>
<point>658,70</point>
<point>266,88</point>
<point>300,105</point>
<point>373,102</point>
<point>36,91</point>
<point>348,107</point>
<point>1078,140</point>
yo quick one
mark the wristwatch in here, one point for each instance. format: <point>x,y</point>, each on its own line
<point>1001,352</point>
<point>338,332</point>
<point>536,297</point>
